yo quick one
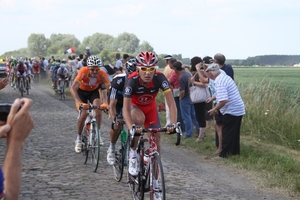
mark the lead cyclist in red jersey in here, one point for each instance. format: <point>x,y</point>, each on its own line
<point>139,106</point>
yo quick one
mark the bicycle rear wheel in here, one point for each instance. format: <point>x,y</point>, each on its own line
<point>157,174</point>
<point>27,86</point>
<point>95,146</point>
<point>21,87</point>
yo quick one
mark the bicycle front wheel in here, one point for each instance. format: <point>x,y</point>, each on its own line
<point>95,146</point>
<point>158,179</point>
<point>118,167</point>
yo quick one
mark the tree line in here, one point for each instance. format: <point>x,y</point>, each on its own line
<point>267,60</point>
<point>103,45</point>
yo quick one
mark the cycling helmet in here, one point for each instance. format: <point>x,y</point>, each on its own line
<point>63,60</point>
<point>62,66</point>
<point>147,59</point>
<point>94,61</point>
<point>130,66</point>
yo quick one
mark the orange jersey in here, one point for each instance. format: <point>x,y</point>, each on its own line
<point>88,83</point>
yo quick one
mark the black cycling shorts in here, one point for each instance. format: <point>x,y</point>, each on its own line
<point>88,95</point>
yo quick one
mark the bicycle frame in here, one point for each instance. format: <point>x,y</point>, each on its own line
<point>148,175</point>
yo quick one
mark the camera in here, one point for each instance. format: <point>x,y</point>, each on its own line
<point>4,111</point>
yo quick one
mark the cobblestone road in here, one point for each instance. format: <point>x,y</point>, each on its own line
<point>52,170</point>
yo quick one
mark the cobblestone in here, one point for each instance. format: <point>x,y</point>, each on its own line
<point>52,170</point>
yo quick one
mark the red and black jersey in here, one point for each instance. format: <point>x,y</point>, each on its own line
<point>145,95</point>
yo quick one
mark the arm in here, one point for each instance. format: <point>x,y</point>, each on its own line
<point>127,112</point>
<point>3,83</point>
<point>74,93</point>
<point>112,109</point>
<point>200,74</point>
<point>20,124</point>
<point>172,106</point>
<point>217,107</point>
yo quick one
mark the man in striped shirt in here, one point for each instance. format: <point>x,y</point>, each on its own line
<point>231,106</point>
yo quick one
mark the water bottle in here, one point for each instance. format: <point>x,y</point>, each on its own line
<point>146,162</point>
<point>124,142</point>
<point>88,126</point>
<point>123,136</point>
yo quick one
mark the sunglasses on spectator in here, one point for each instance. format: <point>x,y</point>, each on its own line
<point>147,69</point>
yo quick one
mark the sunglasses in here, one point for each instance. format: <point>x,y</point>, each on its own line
<point>147,69</point>
<point>94,69</point>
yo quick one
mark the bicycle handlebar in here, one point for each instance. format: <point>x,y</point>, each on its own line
<point>156,130</point>
<point>90,108</point>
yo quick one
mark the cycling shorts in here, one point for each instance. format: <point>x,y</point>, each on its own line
<point>87,95</point>
<point>151,115</point>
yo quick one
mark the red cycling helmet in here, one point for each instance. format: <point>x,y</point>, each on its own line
<point>146,59</point>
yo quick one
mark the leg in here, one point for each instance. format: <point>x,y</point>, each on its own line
<point>185,107</point>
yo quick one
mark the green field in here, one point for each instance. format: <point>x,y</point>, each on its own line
<point>270,139</point>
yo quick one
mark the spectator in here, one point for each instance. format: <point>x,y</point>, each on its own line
<point>211,83</point>
<point>220,60</point>
<point>16,129</point>
<point>167,72</point>
<point>174,84</point>
<point>187,108</point>
<point>199,107</point>
<point>87,51</point>
<point>231,106</point>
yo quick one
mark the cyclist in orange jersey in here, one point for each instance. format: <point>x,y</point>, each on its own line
<point>86,88</point>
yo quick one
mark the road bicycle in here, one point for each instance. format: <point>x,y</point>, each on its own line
<point>91,136</point>
<point>61,93</point>
<point>149,164</point>
<point>23,85</point>
<point>122,147</point>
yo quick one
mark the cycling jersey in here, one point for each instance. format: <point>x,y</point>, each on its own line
<point>143,97</point>
<point>88,83</point>
<point>116,90</point>
<point>62,72</point>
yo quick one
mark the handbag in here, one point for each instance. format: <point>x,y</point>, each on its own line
<point>199,94</point>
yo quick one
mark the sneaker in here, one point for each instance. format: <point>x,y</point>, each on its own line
<point>156,195</point>
<point>101,141</point>
<point>133,167</point>
<point>111,157</point>
<point>78,145</point>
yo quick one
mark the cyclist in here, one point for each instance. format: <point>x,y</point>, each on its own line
<point>36,68</point>
<point>86,87</point>
<point>29,69</point>
<point>13,65</point>
<point>139,105</point>
<point>115,107</point>
<point>62,74</point>
<point>21,70</point>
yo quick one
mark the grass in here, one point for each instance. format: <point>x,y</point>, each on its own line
<point>270,129</point>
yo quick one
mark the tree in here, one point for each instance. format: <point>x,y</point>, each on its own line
<point>145,46</point>
<point>61,42</point>
<point>97,43</point>
<point>127,42</point>
<point>37,43</point>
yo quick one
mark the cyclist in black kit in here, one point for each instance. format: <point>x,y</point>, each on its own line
<point>116,105</point>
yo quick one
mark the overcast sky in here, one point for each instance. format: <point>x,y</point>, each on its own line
<point>236,28</point>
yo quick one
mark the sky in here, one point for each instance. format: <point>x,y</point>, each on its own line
<point>236,28</point>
